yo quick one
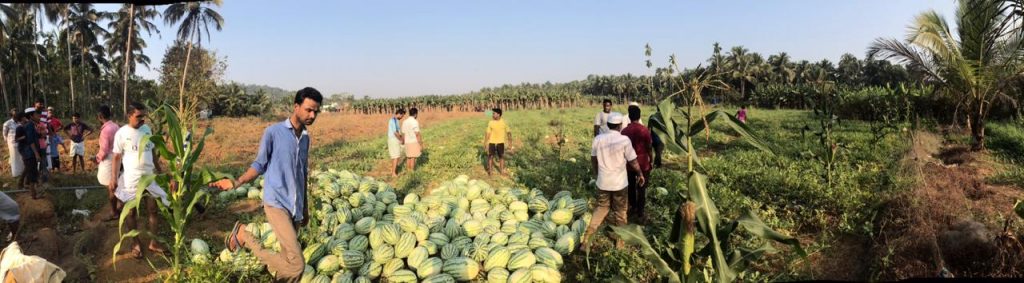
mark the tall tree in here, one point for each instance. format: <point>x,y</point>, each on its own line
<point>126,45</point>
<point>976,62</point>
<point>85,32</point>
<point>195,20</point>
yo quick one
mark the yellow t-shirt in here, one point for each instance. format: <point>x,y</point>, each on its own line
<point>498,130</point>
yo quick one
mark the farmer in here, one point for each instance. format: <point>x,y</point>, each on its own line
<point>136,157</point>
<point>610,155</point>
<point>283,160</point>
<point>413,140</point>
<point>640,138</point>
<point>395,140</point>
<point>10,128</point>
<point>104,156</point>
<point>28,146</point>
<point>77,132</point>
<point>42,128</point>
<point>742,114</point>
<point>494,141</point>
<point>601,119</point>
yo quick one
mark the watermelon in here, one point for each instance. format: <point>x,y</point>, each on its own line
<point>461,268</point>
<point>389,233</point>
<point>391,266</point>
<point>364,225</point>
<point>566,243</point>
<point>561,216</point>
<point>497,258</point>
<point>450,251</point>
<point>199,247</point>
<point>472,227</point>
<point>405,245</point>
<point>402,276</point>
<point>549,257</point>
<point>497,275</point>
<point>345,231</point>
<point>521,259</point>
<point>351,259</point>
<point>358,243</point>
<point>439,278</point>
<point>383,254</point>
<point>538,204</point>
<point>545,274</point>
<point>313,252</point>
<point>520,276</point>
<point>429,267</point>
<point>328,265</point>
<point>417,256</point>
<point>438,238</point>
<point>321,278</point>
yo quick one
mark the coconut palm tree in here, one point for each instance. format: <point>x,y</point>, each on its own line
<point>976,62</point>
<point>84,31</point>
<point>195,19</point>
<point>125,44</point>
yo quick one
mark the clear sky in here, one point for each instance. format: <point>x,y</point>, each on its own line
<point>408,48</point>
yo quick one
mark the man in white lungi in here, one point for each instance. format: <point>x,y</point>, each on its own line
<point>136,156</point>
<point>10,127</point>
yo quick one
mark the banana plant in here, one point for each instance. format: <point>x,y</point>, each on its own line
<point>677,126</point>
<point>179,149</point>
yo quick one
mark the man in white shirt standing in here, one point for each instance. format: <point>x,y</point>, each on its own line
<point>395,140</point>
<point>611,155</point>
<point>601,120</point>
<point>136,156</point>
<point>10,127</point>
<point>413,141</point>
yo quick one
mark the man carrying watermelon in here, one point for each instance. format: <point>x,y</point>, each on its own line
<point>283,160</point>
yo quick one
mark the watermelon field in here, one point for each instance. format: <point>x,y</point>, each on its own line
<point>528,224</point>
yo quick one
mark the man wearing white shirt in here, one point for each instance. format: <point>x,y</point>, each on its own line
<point>413,141</point>
<point>10,127</point>
<point>136,156</point>
<point>601,119</point>
<point>611,155</point>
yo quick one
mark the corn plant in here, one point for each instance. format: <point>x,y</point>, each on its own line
<point>180,150</point>
<point>677,126</point>
<point>830,147</point>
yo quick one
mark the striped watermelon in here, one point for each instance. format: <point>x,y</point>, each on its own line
<point>541,242</point>
<point>389,233</point>
<point>549,257</point>
<point>371,270</point>
<point>351,259</point>
<point>561,216</point>
<point>376,238</point>
<point>431,247</point>
<point>383,254</point>
<point>538,204</point>
<point>329,264</point>
<point>522,259</point>
<point>402,276</point>
<point>408,223</point>
<point>439,278</point>
<point>358,243</point>
<point>364,225</point>
<point>497,275</point>
<point>391,266</point>
<point>418,255</point>
<point>497,258</point>
<point>566,243</point>
<point>520,276</point>
<point>579,206</point>
<point>450,251</point>
<point>499,238</point>
<point>429,267</point>
<point>472,227</point>
<point>321,278</point>
<point>345,231</point>
<point>461,268</point>
<point>411,199</point>
<point>405,245</point>
<point>438,238</point>
<point>314,252</point>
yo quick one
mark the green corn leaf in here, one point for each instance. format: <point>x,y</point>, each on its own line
<point>753,225</point>
<point>708,220</point>
<point>117,247</point>
<point>634,235</point>
<point>1019,208</point>
<point>740,128</point>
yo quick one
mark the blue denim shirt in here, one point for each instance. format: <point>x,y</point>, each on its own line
<point>283,160</point>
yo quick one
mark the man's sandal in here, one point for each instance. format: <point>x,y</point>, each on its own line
<point>232,239</point>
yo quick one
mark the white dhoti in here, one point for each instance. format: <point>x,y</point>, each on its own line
<point>17,165</point>
<point>103,172</point>
<point>126,192</point>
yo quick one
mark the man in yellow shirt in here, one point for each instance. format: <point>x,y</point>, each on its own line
<point>494,141</point>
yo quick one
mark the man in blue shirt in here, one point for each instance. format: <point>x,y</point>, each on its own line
<point>283,161</point>
<point>395,140</point>
<point>28,147</point>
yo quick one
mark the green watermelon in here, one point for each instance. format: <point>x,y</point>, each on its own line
<point>391,266</point>
<point>383,254</point>
<point>561,216</point>
<point>429,267</point>
<point>461,268</point>
<point>497,258</point>
<point>417,256</point>
<point>522,259</point>
<point>402,276</point>
<point>351,259</point>
<point>358,243</point>
<point>313,252</point>
<point>549,257</point>
<point>497,275</point>
<point>200,247</point>
<point>405,245</point>
<point>520,276</point>
<point>328,265</point>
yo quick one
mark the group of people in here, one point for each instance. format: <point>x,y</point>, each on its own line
<point>621,155</point>
<point>404,135</point>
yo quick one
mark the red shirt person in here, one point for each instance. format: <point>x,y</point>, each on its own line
<point>640,137</point>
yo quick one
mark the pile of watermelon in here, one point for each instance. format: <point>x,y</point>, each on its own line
<point>462,230</point>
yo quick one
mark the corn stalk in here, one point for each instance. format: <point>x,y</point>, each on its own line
<point>180,151</point>
<point>676,127</point>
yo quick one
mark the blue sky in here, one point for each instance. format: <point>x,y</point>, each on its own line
<point>407,48</point>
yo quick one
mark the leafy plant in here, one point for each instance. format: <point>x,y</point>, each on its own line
<point>180,150</point>
<point>677,127</point>
<point>829,147</point>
